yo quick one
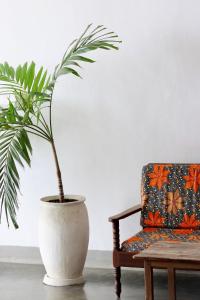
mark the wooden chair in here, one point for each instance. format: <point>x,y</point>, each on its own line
<point>170,210</point>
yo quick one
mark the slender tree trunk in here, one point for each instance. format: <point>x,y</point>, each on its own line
<point>59,176</point>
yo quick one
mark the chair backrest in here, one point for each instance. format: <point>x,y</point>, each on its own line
<point>171,195</point>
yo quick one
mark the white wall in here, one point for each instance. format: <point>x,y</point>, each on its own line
<point>137,105</point>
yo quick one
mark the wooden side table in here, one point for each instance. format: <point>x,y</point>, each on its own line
<point>149,265</point>
<point>172,256</point>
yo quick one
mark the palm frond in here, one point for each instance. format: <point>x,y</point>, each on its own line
<point>29,88</point>
<point>31,91</point>
<point>90,40</point>
<point>24,77</point>
<point>14,147</point>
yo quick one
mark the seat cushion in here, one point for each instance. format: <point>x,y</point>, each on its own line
<point>148,236</point>
<point>171,196</point>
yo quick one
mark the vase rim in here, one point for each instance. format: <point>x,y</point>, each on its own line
<point>78,200</point>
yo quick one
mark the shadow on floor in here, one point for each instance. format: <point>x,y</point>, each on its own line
<point>20,282</point>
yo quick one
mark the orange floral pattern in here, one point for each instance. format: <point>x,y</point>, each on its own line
<point>147,238</point>
<point>190,222</point>
<point>159,176</point>
<point>193,178</point>
<point>171,196</point>
<point>194,238</point>
<point>182,231</point>
<point>174,202</point>
<point>158,236</point>
<point>134,239</point>
<point>154,219</point>
<point>149,229</point>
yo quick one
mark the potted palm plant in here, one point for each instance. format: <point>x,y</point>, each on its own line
<point>63,221</point>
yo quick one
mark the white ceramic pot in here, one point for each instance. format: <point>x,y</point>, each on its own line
<point>63,239</point>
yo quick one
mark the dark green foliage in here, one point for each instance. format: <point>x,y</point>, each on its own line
<point>14,147</point>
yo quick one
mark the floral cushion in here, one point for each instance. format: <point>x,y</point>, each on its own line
<point>150,235</point>
<point>171,196</point>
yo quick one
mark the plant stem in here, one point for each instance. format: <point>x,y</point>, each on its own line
<point>59,176</point>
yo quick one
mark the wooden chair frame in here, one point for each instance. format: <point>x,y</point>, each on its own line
<point>125,258</point>
<point>121,258</point>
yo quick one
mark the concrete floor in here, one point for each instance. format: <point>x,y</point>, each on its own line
<point>24,282</point>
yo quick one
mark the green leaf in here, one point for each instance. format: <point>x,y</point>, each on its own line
<point>12,72</point>
<point>1,69</point>
<point>42,82</point>
<point>46,86</point>
<point>11,113</point>
<point>82,58</point>
<point>7,68</point>
<point>37,79</point>
<point>28,80</point>
<point>72,63</point>
<point>18,73</point>
<point>23,73</point>
<point>16,149</point>
<point>66,70</point>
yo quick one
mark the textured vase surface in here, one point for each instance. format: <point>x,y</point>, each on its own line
<point>63,239</point>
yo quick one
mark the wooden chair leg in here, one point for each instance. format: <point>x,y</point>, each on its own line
<point>171,284</point>
<point>118,281</point>
<point>148,276</point>
<point>116,246</point>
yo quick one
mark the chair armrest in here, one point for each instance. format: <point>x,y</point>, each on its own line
<point>126,213</point>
